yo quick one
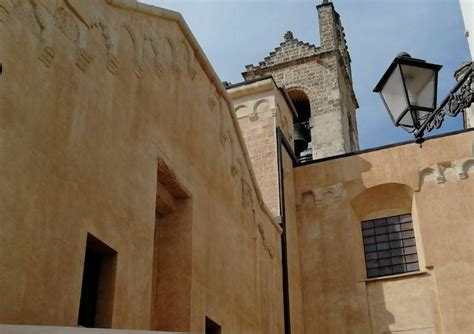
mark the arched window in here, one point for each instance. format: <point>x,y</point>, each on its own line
<point>387,230</point>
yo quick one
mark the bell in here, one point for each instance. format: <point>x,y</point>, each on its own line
<point>301,143</point>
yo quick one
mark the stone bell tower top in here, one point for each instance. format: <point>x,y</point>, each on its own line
<point>332,34</point>
<point>319,82</point>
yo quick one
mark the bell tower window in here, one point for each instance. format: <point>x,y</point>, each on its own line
<point>302,128</point>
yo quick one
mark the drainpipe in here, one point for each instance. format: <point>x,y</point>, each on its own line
<point>283,142</point>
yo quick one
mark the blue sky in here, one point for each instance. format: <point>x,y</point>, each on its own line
<point>234,33</point>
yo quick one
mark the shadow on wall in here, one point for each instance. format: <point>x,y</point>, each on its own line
<point>334,298</point>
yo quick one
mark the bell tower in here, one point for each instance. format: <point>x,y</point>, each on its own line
<point>319,83</point>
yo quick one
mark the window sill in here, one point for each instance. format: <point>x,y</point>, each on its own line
<point>393,277</point>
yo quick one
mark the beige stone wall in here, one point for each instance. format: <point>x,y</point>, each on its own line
<point>435,184</point>
<point>113,123</point>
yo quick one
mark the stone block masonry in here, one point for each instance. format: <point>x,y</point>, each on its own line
<point>323,75</point>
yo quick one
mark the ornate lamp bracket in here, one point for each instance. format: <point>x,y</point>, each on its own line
<point>460,98</point>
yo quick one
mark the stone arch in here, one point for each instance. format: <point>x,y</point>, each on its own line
<point>126,39</point>
<point>307,90</point>
<point>434,172</point>
<point>241,111</point>
<point>302,124</point>
<point>383,200</point>
<point>137,49</point>
<point>467,166</point>
<point>261,106</point>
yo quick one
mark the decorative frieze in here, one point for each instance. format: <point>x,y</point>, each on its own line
<point>440,172</point>
<point>76,18</point>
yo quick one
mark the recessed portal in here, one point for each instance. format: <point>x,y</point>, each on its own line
<point>98,285</point>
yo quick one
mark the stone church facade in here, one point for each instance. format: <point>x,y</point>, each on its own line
<point>112,217</point>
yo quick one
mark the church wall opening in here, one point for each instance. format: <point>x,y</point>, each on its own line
<point>98,285</point>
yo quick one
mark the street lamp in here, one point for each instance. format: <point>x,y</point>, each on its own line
<point>409,91</point>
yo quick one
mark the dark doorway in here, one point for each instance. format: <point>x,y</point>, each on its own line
<point>212,327</point>
<point>98,284</point>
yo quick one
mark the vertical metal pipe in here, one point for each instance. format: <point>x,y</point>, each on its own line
<point>281,141</point>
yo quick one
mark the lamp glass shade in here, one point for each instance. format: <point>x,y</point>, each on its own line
<point>408,90</point>
<point>420,83</point>
<point>394,95</point>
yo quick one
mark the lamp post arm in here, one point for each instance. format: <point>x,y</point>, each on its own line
<point>460,98</point>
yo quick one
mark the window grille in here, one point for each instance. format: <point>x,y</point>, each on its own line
<point>389,246</point>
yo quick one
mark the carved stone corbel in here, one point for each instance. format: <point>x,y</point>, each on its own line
<point>308,199</point>
<point>462,168</point>
<point>326,195</point>
<point>459,170</point>
<point>6,7</point>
